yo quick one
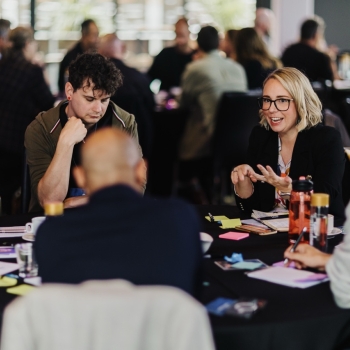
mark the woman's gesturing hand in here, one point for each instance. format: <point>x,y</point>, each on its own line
<point>243,176</point>
<point>283,184</point>
<point>241,172</point>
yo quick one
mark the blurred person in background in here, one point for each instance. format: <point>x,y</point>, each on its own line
<point>88,42</point>
<point>253,55</point>
<point>4,32</point>
<point>228,44</point>
<point>305,56</point>
<point>263,23</point>
<point>203,83</point>
<point>135,95</point>
<point>170,63</point>
<point>23,94</point>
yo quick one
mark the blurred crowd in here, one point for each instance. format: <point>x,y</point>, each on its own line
<point>197,74</point>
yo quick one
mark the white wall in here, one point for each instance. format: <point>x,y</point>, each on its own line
<point>289,16</point>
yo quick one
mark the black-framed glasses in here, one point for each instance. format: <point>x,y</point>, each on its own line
<point>281,104</point>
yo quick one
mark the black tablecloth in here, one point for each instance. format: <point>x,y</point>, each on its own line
<point>292,319</point>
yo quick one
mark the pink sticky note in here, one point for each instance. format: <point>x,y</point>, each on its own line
<point>236,236</point>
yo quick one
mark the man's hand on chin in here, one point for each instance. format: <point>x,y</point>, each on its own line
<point>73,202</point>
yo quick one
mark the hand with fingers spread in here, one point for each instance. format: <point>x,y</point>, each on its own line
<point>242,177</point>
<point>307,256</point>
<point>283,184</point>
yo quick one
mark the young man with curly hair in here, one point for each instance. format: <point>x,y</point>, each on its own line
<point>54,138</point>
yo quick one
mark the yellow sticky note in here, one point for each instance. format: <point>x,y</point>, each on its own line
<point>7,282</point>
<point>218,218</point>
<point>23,289</point>
<point>230,223</point>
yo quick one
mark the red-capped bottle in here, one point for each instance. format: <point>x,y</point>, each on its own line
<point>299,209</point>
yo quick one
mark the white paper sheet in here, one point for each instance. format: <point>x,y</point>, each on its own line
<point>12,231</point>
<point>286,277</point>
<point>6,267</point>
<point>35,281</point>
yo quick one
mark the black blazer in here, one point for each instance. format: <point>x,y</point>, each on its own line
<point>120,234</point>
<point>318,152</point>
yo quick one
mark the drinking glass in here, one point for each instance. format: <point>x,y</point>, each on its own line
<point>28,266</point>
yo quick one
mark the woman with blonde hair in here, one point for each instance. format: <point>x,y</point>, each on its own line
<point>253,55</point>
<point>290,142</point>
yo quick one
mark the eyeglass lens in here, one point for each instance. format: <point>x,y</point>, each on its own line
<point>281,104</point>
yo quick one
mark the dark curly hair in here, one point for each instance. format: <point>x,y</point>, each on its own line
<point>93,68</point>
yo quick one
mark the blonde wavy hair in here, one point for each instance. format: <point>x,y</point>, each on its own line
<point>307,103</point>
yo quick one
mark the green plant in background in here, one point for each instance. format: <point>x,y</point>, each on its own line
<point>67,15</point>
<point>231,14</point>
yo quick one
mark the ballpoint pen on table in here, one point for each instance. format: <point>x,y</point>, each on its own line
<point>283,216</point>
<point>212,219</point>
<point>296,243</point>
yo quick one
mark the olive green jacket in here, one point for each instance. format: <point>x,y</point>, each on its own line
<point>41,139</point>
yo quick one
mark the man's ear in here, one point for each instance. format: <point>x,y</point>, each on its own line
<point>80,177</point>
<point>69,90</point>
<point>141,174</point>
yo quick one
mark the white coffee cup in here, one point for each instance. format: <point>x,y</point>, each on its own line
<point>330,224</point>
<point>32,227</point>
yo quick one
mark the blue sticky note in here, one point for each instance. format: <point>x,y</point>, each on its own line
<point>235,257</point>
<point>219,306</point>
<point>247,265</point>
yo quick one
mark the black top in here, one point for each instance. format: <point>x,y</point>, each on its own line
<point>136,97</point>
<point>120,234</point>
<point>256,73</point>
<point>23,94</point>
<point>168,67</point>
<point>318,152</point>
<point>313,63</point>
<point>70,56</point>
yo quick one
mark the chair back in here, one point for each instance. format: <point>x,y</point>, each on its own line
<point>25,190</point>
<point>346,183</point>
<point>109,314</point>
<point>237,114</point>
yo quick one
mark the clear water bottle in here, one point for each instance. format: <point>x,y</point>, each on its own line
<point>319,220</point>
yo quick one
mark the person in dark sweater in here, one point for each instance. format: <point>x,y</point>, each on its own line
<point>23,94</point>
<point>304,55</point>
<point>170,63</point>
<point>135,95</point>
<point>88,42</point>
<point>290,142</point>
<point>119,233</point>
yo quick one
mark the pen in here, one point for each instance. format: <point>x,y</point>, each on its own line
<point>296,244</point>
<point>284,216</point>
<point>212,219</point>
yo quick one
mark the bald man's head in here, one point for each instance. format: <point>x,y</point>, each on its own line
<point>111,46</point>
<point>182,35</point>
<point>109,157</point>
